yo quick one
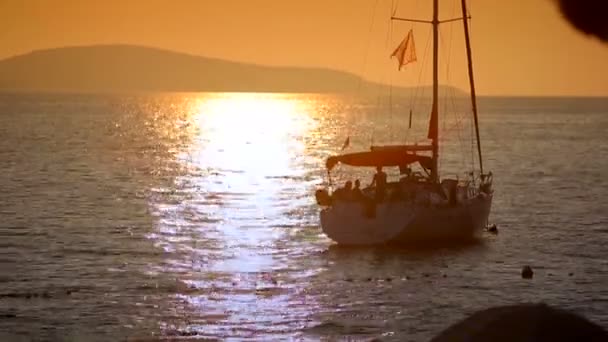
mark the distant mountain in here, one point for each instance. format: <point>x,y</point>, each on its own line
<point>120,68</point>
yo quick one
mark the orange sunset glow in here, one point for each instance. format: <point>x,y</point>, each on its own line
<point>521,47</point>
<point>303,170</point>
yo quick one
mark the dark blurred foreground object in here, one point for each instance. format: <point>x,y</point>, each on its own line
<point>523,322</point>
<point>588,16</point>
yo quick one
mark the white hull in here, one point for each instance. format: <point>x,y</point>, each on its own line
<point>405,222</point>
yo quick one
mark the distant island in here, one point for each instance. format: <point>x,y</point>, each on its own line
<point>126,68</point>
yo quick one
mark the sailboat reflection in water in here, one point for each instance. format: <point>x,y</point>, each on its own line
<point>420,206</point>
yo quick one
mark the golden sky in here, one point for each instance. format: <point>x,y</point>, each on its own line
<point>520,47</point>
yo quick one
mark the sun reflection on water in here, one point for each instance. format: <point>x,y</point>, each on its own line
<point>248,140</point>
<point>230,212</point>
<point>255,132</point>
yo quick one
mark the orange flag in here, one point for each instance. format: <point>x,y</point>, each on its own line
<point>406,51</point>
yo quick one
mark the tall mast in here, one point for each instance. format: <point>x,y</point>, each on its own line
<point>434,124</point>
<point>471,79</point>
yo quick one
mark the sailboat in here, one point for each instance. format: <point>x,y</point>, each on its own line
<point>420,206</point>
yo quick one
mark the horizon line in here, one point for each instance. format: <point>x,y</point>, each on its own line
<point>362,95</point>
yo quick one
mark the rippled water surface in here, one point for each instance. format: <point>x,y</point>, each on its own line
<point>191,215</point>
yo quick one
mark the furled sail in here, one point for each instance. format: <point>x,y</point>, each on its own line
<point>406,51</point>
<point>393,156</point>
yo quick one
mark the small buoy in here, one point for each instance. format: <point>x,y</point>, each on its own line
<point>493,229</point>
<point>369,279</point>
<point>389,279</point>
<point>570,274</point>
<point>526,272</point>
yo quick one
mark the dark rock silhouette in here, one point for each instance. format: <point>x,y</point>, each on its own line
<point>523,322</point>
<point>588,16</point>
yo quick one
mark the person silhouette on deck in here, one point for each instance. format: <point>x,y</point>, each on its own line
<point>380,182</point>
<point>348,190</point>
<point>357,193</point>
<point>344,193</point>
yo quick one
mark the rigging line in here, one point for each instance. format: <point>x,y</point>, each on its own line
<point>459,127</point>
<point>469,6</point>
<point>444,122</point>
<point>390,25</point>
<point>448,65</point>
<point>472,139</point>
<point>446,52</point>
<point>366,54</point>
<point>412,104</point>
<point>390,80</point>
<point>449,54</point>
<point>407,131</point>
<point>412,23</point>
<point>472,130</point>
<point>471,125</point>
<point>450,93</point>
<point>379,89</point>
<point>456,126</point>
<point>473,133</point>
<point>386,76</point>
<point>380,85</point>
<point>419,89</point>
<point>367,45</point>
